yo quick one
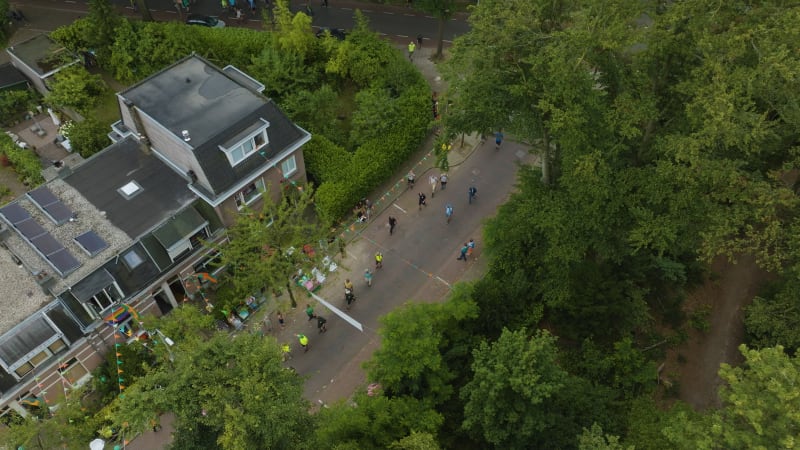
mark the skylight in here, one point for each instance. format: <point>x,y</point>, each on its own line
<point>130,189</point>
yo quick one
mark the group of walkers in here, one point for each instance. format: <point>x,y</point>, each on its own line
<point>435,181</point>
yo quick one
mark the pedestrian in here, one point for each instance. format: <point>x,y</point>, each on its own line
<point>310,312</point>
<point>422,200</point>
<point>303,341</point>
<point>281,321</point>
<point>232,5</point>
<point>286,351</point>
<point>471,247</point>
<point>433,180</point>
<point>309,11</point>
<point>410,178</point>
<point>378,260</point>
<point>419,40</point>
<point>448,212</point>
<point>443,180</point>
<point>392,224</point>
<point>348,284</point>
<point>224,4</point>
<point>464,251</point>
<point>185,4</point>
<point>471,191</point>
<point>325,3</point>
<point>321,324</point>
<point>239,15</point>
<point>368,277</point>
<point>411,48</point>
<point>252,6</point>
<point>498,139</point>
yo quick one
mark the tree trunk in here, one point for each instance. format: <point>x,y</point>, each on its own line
<point>440,44</point>
<point>144,10</point>
<point>546,177</point>
<point>291,294</point>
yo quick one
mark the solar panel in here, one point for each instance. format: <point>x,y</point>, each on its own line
<point>42,196</point>
<point>58,213</point>
<point>30,228</point>
<point>63,262</point>
<point>46,244</point>
<point>91,242</point>
<point>15,213</point>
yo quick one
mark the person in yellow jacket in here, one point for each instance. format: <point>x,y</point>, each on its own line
<point>411,47</point>
<point>378,260</point>
<point>303,341</point>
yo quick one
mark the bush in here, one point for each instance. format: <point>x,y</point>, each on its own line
<point>14,104</point>
<point>87,137</point>
<point>25,162</point>
<point>74,87</point>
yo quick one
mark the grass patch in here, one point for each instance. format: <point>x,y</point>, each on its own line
<point>107,110</point>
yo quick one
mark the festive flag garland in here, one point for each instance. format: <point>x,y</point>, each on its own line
<point>398,186</point>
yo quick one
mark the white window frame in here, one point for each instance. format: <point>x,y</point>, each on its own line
<point>260,187</point>
<point>288,172</point>
<point>108,292</point>
<point>251,140</point>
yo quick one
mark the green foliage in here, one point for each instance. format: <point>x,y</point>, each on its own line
<point>623,367</point>
<point>316,111</point>
<point>88,137</point>
<point>75,36</point>
<point>15,103</point>
<point>25,162</point>
<point>374,422</point>
<point>265,248</point>
<point>506,402</point>
<point>774,319</point>
<point>419,344</point>
<point>69,427</point>
<point>74,87</point>
<point>416,441</point>
<point>760,401</point>
<point>137,360</point>
<point>326,162</point>
<point>594,439</point>
<point>227,394</point>
<point>101,23</point>
<point>5,25</point>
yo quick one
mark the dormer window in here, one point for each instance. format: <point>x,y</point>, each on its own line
<point>244,144</point>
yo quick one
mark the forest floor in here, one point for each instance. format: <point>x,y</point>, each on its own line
<point>715,326</point>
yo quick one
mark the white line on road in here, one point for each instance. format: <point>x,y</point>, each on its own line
<point>389,13</point>
<point>401,209</point>
<point>402,35</point>
<point>440,279</point>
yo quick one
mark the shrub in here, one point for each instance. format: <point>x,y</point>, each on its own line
<point>87,137</point>
<point>14,104</point>
<point>25,162</point>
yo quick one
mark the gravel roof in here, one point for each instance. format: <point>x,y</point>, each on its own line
<point>20,294</point>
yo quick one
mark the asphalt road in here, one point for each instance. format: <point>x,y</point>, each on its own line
<point>419,265</point>
<point>395,23</point>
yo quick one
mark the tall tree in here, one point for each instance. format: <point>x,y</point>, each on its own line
<point>225,393</point>
<point>267,245</point>
<point>514,380</point>
<point>443,10</point>
<point>102,20</point>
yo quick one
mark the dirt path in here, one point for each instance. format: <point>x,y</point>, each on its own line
<point>727,293</point>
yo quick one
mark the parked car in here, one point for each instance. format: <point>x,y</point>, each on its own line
<point>205,21</point>
<point>337,33</point>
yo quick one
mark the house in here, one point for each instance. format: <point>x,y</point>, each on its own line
<point>39,58</point>
<point>120,234</point>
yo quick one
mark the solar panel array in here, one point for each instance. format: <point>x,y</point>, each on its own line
<point>91,243</point>
<point>45,200</point>
<point>43,242</point>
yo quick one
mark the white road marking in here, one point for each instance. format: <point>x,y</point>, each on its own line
<point>401,209</point>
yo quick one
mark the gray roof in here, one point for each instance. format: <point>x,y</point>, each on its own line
<point>42,54</point>
<point>194,95</point>
<point>213,107</point>
<point>163,192</point>
<point>10,76</point>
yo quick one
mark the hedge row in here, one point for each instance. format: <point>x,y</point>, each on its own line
<point>345,178</point>
<point>24,161</point>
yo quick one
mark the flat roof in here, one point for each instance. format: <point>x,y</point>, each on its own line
<point>41,54</point>
<point>195,96</point>
<point>20,294</point>
<point>108,178</point>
